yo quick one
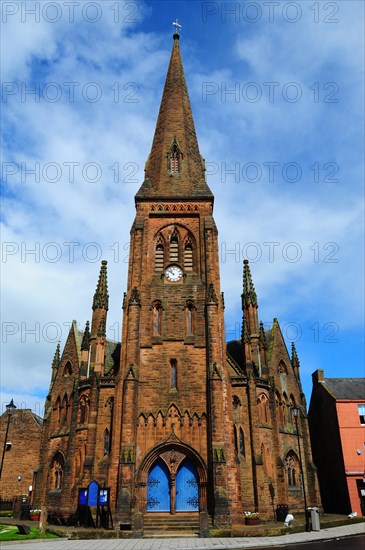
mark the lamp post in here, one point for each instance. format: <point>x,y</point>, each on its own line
<point>10,408</point>
<point>296,412</point>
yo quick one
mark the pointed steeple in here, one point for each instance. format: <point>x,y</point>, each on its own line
<point>86,338</point>
<point>249,297</point>
<point>295,363</point>
<point>101,296</point>
<point>175,167</point>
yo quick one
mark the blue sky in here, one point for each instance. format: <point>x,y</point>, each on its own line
<point>277,95</point>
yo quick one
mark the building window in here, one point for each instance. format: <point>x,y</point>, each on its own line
<point>106,442</point>
<point>292,469</point>
<point>157,318</point>
<point>57,469</point>
<point>361,409</point>
<point>159,255</point>
<point>67,371</point>
<point>263,408</point>
<point>235,438</point>
<point>190,318</point>
<point>242,443</point>
<point>235,402</point>
<point>175,159</point>
<point>174,248</point>
<point>173,365</point>
<point>188,256</point>
<point>282,367</point>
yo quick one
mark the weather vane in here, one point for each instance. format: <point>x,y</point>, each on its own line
<point>177,26</point>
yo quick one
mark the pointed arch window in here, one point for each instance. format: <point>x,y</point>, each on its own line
<point>57,470</point>
<point>292,469</point>
<point>263,408</point>
<point>282,368</point>
<point>173,368</point>
<point>175,159</point>
<point>242,442</point>
<point>67,371</point>
<point>159,255</point>
<point>236,402</point>
<point>106,441</point>
<point>235,437</point>
<point>157,318</point>
<point>188,255</point>
<point>174,248</point>
<point>190,318</point>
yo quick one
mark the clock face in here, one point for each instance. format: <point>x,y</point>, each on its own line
<point>173,273</point>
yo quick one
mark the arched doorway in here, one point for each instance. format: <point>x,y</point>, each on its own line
<point>172,492</point>
<point>187,488</point>
<point>158,488</point>
<point>172,478</point>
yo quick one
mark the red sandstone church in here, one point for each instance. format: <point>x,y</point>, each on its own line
<point>180,425</point>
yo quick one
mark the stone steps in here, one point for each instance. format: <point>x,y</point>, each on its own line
<point>156,524</point>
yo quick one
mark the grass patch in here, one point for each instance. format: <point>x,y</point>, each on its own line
<point>10,532</point>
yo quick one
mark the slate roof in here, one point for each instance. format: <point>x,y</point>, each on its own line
<point>346,388</point>
<point>112,354</point>
<point>235,351</point>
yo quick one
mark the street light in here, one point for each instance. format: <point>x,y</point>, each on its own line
<point>296,412</point>
<point>10,408</point>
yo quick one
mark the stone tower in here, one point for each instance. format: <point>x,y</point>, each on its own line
<point>172,391</point>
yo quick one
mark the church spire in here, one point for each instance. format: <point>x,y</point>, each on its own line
<point>101,296</point>
<point>175,167</point>
<point>249,297</point>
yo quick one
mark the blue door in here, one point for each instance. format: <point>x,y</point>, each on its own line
<point>158,488</point>
<point>187,488</point>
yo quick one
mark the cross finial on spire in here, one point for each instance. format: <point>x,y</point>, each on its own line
<point>177,26</point>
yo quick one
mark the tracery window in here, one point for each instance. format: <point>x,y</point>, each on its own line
<point>292,469</point>
<point>57,470</point>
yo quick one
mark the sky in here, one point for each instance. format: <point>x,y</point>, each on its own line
<point>277,96</point>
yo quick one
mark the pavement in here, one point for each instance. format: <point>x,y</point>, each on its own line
<point>191,543</point>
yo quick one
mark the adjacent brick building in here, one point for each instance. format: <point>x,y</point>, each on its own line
<point>21,455</point>
<point>173,420</point>
<point>337,429</point>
